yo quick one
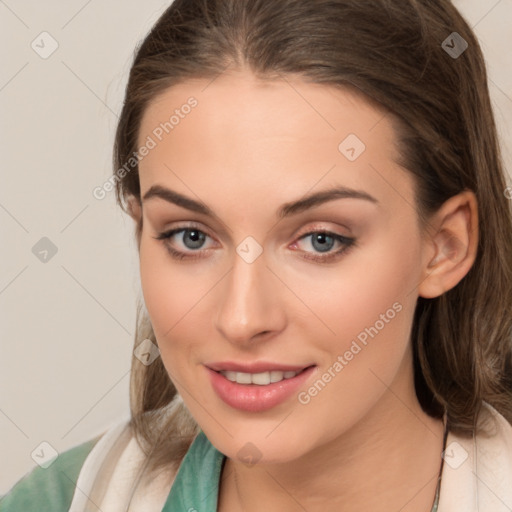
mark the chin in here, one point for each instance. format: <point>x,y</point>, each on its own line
<point>259,444</point>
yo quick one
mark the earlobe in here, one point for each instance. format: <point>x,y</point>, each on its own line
<point>453,245</point>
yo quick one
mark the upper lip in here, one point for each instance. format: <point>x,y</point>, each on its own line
<point>254,367</point>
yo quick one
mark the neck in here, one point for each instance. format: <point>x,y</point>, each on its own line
<point>388,461</point>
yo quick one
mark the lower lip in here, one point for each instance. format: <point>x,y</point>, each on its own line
<point>253,397</point>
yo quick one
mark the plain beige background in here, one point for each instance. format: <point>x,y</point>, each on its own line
<point>67,324</point>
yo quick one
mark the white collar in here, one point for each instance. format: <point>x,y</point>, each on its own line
<point>477,472</point>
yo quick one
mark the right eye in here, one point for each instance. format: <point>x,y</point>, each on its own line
<point>191,237</point>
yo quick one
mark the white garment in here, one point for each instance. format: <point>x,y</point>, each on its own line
<point>483,481</point>
<point>477,473</point>
<point>109,476</point>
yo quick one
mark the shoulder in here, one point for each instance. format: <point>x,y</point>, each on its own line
<point>51,488</point>
<point>494,445</point>
<point>477,472</point>
<point>493,440</point>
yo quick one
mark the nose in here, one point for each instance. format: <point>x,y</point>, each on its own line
<point>250,305</point>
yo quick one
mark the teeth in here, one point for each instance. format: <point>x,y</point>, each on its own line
<point>243,378</point>
<point>261,379</point>
<point>276,376</point>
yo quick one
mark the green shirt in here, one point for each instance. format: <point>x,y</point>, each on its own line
<point>202,463</point>
<point>50,489</point>
<point>195,488</point>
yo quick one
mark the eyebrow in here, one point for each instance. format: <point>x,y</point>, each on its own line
<point>286,210</point>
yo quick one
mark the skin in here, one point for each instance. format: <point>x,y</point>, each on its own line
<point>363,442</point>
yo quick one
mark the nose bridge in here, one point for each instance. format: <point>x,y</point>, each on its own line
<point>249,303</point>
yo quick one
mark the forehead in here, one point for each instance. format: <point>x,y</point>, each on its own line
<point>269,107</point>
<point>261,135</point>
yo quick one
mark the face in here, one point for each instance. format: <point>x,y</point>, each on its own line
<point>237,280</point>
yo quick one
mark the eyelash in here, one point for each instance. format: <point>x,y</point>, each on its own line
<point>348,243</point>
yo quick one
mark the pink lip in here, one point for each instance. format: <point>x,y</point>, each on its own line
<point>255,367</point>
<point>253,397</point>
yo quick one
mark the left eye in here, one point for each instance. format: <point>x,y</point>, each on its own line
<point>323,241</point>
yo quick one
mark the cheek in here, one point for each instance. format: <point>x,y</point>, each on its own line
<point>383,271</point>
<point>370,307</point>
<point>158,289</point>
<point>372,302</point>
<point>177,301</point>
<point>167,292</point>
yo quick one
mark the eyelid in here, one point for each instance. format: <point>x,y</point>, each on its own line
<point>341,239</point>
<point>316,227</point>
<point>156,212</point>
<point>184,225</point>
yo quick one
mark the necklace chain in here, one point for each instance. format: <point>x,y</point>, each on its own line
<point>438,487</point>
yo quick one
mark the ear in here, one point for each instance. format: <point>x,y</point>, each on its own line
<point>451,244</point>
<point>134,208</point>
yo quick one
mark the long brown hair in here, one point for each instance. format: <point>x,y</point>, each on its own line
<point>391,51</point>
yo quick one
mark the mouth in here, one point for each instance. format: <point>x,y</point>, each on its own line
<point>257,391</point>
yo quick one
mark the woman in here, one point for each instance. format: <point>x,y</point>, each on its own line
<point>324,239</point>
